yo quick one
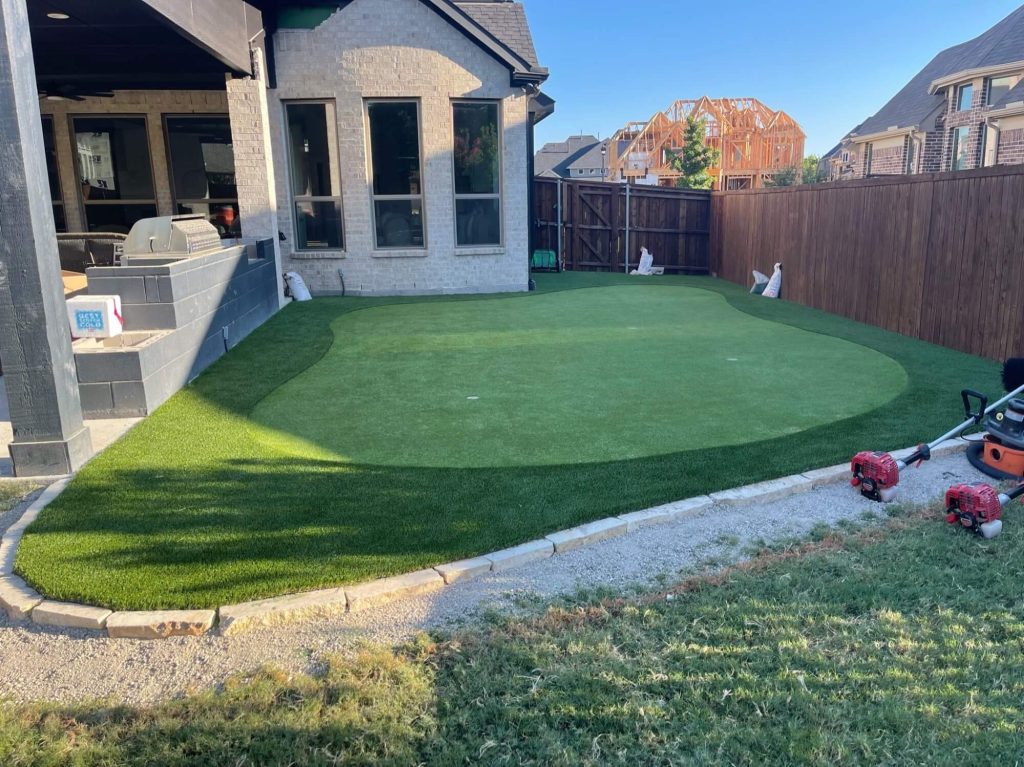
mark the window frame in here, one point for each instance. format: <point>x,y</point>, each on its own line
<point>370,172</point>
<point>175,200</point>
<point>955,145</point>
<point>294,198</point>
<point>988,87</point>
<point>56,195</point>
<point>958,106</point>
<point>83,206</point>
<point>499,195</point>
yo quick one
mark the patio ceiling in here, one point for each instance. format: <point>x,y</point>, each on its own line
<point>105,45</point>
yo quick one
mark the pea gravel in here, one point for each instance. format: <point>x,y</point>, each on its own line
<point>37,663</point>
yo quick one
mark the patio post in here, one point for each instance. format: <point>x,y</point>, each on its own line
<point>35,339</point>
<point>254,162</point>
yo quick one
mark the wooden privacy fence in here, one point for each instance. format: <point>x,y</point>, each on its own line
<point>939,257</point>
<point>594,225</point>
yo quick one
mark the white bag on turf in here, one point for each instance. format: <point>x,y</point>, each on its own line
<point>774,284</point>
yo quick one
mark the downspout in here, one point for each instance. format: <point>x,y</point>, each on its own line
<point>530,192</point>
<point>995,146</point>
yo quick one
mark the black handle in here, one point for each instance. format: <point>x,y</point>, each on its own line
<point>968,395</point>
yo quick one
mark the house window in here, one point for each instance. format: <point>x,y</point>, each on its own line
<point>50,146</point>
<point>397,174</point>
<point>114,172</point>
<point>997,88</point>
<point>202,164</point>
<point>477,153</point>
<point>911,154</point>
<point>961,149</point>
<point>869,152</point>
<point>964,96</point>
<point>315,183</point>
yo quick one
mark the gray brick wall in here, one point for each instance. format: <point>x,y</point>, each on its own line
<point>401,48</point>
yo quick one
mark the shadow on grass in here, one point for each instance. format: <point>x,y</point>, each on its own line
<point>833,657</point>
<point>189,511</point>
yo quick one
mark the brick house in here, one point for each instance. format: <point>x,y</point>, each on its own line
<point>964,110</point>
<point>376,146</point>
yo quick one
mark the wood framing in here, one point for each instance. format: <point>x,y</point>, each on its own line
<point>753,141</point>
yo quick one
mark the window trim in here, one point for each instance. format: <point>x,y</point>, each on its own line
<point>957,107</point>
<point>295,199</point>
<point>82,204</point>
<point>59,198</point>
<point>988,87</point>
<point>955,144</point>
<point>422,196</point>
<point>499,196</point>
<point>175,201</point>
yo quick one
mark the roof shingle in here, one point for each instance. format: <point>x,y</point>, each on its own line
<point>506,21</point>
<point>913,105</point>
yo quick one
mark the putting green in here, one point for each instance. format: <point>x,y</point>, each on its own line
<point>592,375</point>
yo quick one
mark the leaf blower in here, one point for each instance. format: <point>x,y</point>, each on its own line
<point>1000,453</point>
<point>979,507</point>
<point>877,474</point>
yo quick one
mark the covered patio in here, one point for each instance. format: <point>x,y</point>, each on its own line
<point>113,111</point>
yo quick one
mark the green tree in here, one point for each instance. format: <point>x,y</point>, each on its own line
<point>695,158</point>
<point>784,177</point>
<point>812,171</point>
<point>805,173</point>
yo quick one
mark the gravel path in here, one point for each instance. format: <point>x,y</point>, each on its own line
<point>41,664</point>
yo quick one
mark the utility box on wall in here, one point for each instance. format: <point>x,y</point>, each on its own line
<point>95,316</point>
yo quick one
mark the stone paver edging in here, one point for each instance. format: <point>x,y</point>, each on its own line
<point>22,603</point>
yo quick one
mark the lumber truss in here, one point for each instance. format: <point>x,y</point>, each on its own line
<point>753,141</point>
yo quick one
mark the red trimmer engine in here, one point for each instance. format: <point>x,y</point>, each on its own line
<point>876,474</point>
<point>979,508</point>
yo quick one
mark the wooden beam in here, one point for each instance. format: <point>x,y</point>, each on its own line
<point>35,339</point>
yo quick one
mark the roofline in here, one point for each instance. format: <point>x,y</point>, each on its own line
<point>891,133</point>
<point>970,74</point>
<point>523,74</point>
<point>1012,109</point>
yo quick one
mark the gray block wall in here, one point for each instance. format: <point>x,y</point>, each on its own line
<point>179,318</point>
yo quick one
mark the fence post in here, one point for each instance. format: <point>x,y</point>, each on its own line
<point>625,253</point>
<point>558,206</point>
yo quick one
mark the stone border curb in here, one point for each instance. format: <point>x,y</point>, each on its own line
<point>22,603</point>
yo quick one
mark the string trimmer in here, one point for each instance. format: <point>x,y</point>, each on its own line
<point>979,507</point>
<point>877,474</point>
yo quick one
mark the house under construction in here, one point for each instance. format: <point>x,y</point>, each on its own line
<point>753,142</point>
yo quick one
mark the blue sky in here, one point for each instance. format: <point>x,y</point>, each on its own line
<point>828,64</point>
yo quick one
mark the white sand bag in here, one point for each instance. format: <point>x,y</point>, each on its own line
<point>760,282</point>
<point>774,284</point>
<point>646,262</point>
<point>297,286</point>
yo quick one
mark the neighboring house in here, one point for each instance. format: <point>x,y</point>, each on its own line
<point>577,157</point>
<point>592,165</point>
<point>388,143</point>
<point>964,110</point>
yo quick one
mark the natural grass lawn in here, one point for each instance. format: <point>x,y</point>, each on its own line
<point>899,646</point>
<point>293,464</point>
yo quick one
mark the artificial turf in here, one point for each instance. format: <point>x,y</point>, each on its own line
<point>198,507</point>
<point>597,374</point>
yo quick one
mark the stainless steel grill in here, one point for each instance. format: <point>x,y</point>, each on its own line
<point>171,237</point>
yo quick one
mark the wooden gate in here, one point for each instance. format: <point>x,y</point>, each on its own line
<point>602,223</point>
